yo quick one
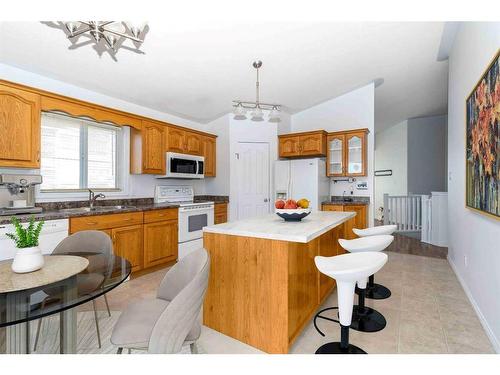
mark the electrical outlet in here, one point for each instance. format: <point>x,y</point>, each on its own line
<point>465,260</point>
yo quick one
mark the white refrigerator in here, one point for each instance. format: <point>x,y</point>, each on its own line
<point>302,178</point>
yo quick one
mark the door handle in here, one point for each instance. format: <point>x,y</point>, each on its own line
<point>266,200</point>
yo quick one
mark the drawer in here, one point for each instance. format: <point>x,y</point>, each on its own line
<point>220,208</point>
<point>332,207</point>
<point>97,222</point>
<point>161,215</point>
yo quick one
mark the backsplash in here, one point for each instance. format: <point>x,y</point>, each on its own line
<point>355,198</point>
<point>52,206</point>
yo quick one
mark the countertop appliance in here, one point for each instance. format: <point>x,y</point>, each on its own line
<point>302,178</point>
<point>17,193</point>
<point>192,216</point>
<point>184,166</point>
<point>53,232</point>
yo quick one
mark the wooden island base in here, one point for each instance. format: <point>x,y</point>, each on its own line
<point>263,292</point>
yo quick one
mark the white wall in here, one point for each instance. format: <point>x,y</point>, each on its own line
<point>353,110</point>
<point>134,185</point>
<point>391,153</point>
<point>471,234</point>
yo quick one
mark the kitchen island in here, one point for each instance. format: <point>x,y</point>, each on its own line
<point>264,286</point>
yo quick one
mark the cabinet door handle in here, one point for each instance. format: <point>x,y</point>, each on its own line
<point>91,222</point>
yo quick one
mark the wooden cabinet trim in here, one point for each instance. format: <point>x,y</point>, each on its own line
<point>50,100</point>
<point>93,111</point>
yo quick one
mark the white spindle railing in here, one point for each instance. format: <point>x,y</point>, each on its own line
<point>403,210</point>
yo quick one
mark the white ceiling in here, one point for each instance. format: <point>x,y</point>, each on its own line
<point>196,73</point>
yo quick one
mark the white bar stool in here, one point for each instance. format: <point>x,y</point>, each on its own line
<point>373,290</point>
<point>366,319</point>
<point>346,269</point>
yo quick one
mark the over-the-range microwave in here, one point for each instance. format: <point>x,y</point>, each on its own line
<point>184,166</point>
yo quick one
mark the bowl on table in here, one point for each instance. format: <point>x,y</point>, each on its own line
<point>296,214</point>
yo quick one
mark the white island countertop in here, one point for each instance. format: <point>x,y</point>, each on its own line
<point>275,228</point>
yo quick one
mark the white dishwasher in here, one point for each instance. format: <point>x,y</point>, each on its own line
<point>53,232</point>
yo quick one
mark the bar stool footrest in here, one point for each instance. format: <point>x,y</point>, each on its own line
<point>324,317</point>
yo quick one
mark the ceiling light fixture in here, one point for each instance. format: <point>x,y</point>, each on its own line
<point>256,114</point>
<point>112,32</point>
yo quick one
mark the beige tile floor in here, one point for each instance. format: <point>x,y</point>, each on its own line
<point>428,312</point>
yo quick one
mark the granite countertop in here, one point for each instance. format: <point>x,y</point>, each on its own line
<point>56,214</point>
<point>356,201</point>
<point>273,227</point>
<point>212,198</point>
<point>64,210</point>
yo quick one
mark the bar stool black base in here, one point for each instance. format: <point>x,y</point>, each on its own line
<point>335,348</point>
<point>366,319</point>
<point>377,291</point>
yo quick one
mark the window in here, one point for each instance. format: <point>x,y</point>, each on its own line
<point>78,154</point>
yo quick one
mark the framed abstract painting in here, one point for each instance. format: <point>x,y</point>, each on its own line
<point>483,142</point>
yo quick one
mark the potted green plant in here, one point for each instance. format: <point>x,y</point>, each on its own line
<point>29,256</point>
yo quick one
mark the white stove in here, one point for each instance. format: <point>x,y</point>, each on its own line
<point>193,216</point>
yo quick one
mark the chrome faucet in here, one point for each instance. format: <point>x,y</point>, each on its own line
<point>93,197</point>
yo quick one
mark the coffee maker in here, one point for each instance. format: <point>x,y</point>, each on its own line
<point>17,193</point>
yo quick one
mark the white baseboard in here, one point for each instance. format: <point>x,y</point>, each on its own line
<point>489,332</point>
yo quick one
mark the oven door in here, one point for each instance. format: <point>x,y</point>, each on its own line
<point>192,220</point>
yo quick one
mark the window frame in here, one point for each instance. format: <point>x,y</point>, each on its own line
<point>83,164</point>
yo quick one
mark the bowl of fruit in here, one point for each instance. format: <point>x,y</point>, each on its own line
<point>291,210</point>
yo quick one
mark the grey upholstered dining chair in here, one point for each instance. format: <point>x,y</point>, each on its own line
<point>88,242</point>
<point>165,323</point>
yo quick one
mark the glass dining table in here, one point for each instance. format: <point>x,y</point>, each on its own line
<point>19,307</point>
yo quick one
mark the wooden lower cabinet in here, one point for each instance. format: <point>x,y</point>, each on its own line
<point>127,243</point>
<point>160,242</point>
<point>360,221</point>
<point>145,239</point>
<point>220,213</point>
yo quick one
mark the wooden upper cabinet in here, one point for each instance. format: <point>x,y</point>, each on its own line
<point>313,144</point>
<point>176,140</point>
<point>356,154</point>
<point>336,155</point>
<point>347,153</point>
<point>184,141</point>
<point>302,144</point>
<point>193,143</point>
<point>153,148</point>
<point>288,146</point>
<point>210,154</point>
<point>19,128</point>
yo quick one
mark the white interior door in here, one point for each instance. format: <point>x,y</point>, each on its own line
<point>253,179</point>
